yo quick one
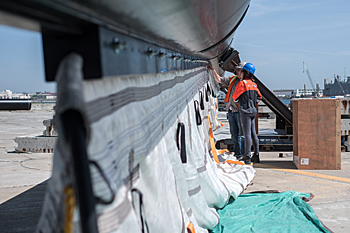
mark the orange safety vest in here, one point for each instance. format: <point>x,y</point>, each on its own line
<point>245,86</point>
<point>232,81</point>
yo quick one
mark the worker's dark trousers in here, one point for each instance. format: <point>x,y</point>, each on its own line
<point>236,132</point>
<point>248,127</point>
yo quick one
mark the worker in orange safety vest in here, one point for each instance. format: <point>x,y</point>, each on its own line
<point>233,115</point>
<point>248,95</point>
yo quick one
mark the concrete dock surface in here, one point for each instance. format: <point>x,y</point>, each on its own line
<point>24,177</point>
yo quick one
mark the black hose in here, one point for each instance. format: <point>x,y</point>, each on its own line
<point>75,134</point>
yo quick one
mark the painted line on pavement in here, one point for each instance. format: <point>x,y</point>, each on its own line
<point>342,179</point>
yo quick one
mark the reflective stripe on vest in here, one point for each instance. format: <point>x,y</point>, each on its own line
<point>232,81</point>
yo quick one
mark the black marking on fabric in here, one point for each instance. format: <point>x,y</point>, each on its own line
<point>189,212</point>
<point>142,145</point>
<point>194,191</point>
<point>105,106</point>
<point>167,112</point>
<point>132,177</point>
<point>201,169</point>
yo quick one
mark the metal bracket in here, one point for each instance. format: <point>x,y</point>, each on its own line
<point>107,53</point>
<point>229,60</point>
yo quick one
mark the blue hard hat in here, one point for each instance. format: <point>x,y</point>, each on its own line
<point>246,66</point>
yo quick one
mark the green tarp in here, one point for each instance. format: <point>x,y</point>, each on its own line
<point>269,212</point>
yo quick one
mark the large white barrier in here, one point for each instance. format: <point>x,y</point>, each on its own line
<point>137,154</point>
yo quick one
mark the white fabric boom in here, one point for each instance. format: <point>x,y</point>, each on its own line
<point>132,126</point>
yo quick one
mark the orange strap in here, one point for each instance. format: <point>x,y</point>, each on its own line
<point>223,151</point>
<point>216,115</point>
<point>213,148</point>
<point>190,228</point>
<point>69,201</point>
<point>234,162</point>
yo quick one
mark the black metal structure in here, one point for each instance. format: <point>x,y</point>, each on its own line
<point>284,117</point>
<point>230,59</point>
<point>108,53</point>
<point>15,104</point>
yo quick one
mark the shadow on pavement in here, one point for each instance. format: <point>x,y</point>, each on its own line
<point>276,164</point>
<point>21,213</point>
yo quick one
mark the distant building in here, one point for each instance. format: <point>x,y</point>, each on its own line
<point>307,92</point>
<point>283,93</point>
<point>8,94</point>
<point>290,93</point>
<point>47,96</point>
<point>337,87</point>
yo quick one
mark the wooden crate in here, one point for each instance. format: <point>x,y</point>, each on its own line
<point>317,134</point>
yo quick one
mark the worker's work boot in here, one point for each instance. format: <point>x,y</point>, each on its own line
<point>255,158</point>
<point>245,159</point>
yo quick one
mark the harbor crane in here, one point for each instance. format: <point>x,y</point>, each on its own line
<point>308,75</point>
<point>312,83</point>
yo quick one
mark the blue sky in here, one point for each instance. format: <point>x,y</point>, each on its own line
<point>21,61</point>
<point>276,36</point>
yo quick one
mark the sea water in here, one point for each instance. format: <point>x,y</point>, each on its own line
<point>285,101</point>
